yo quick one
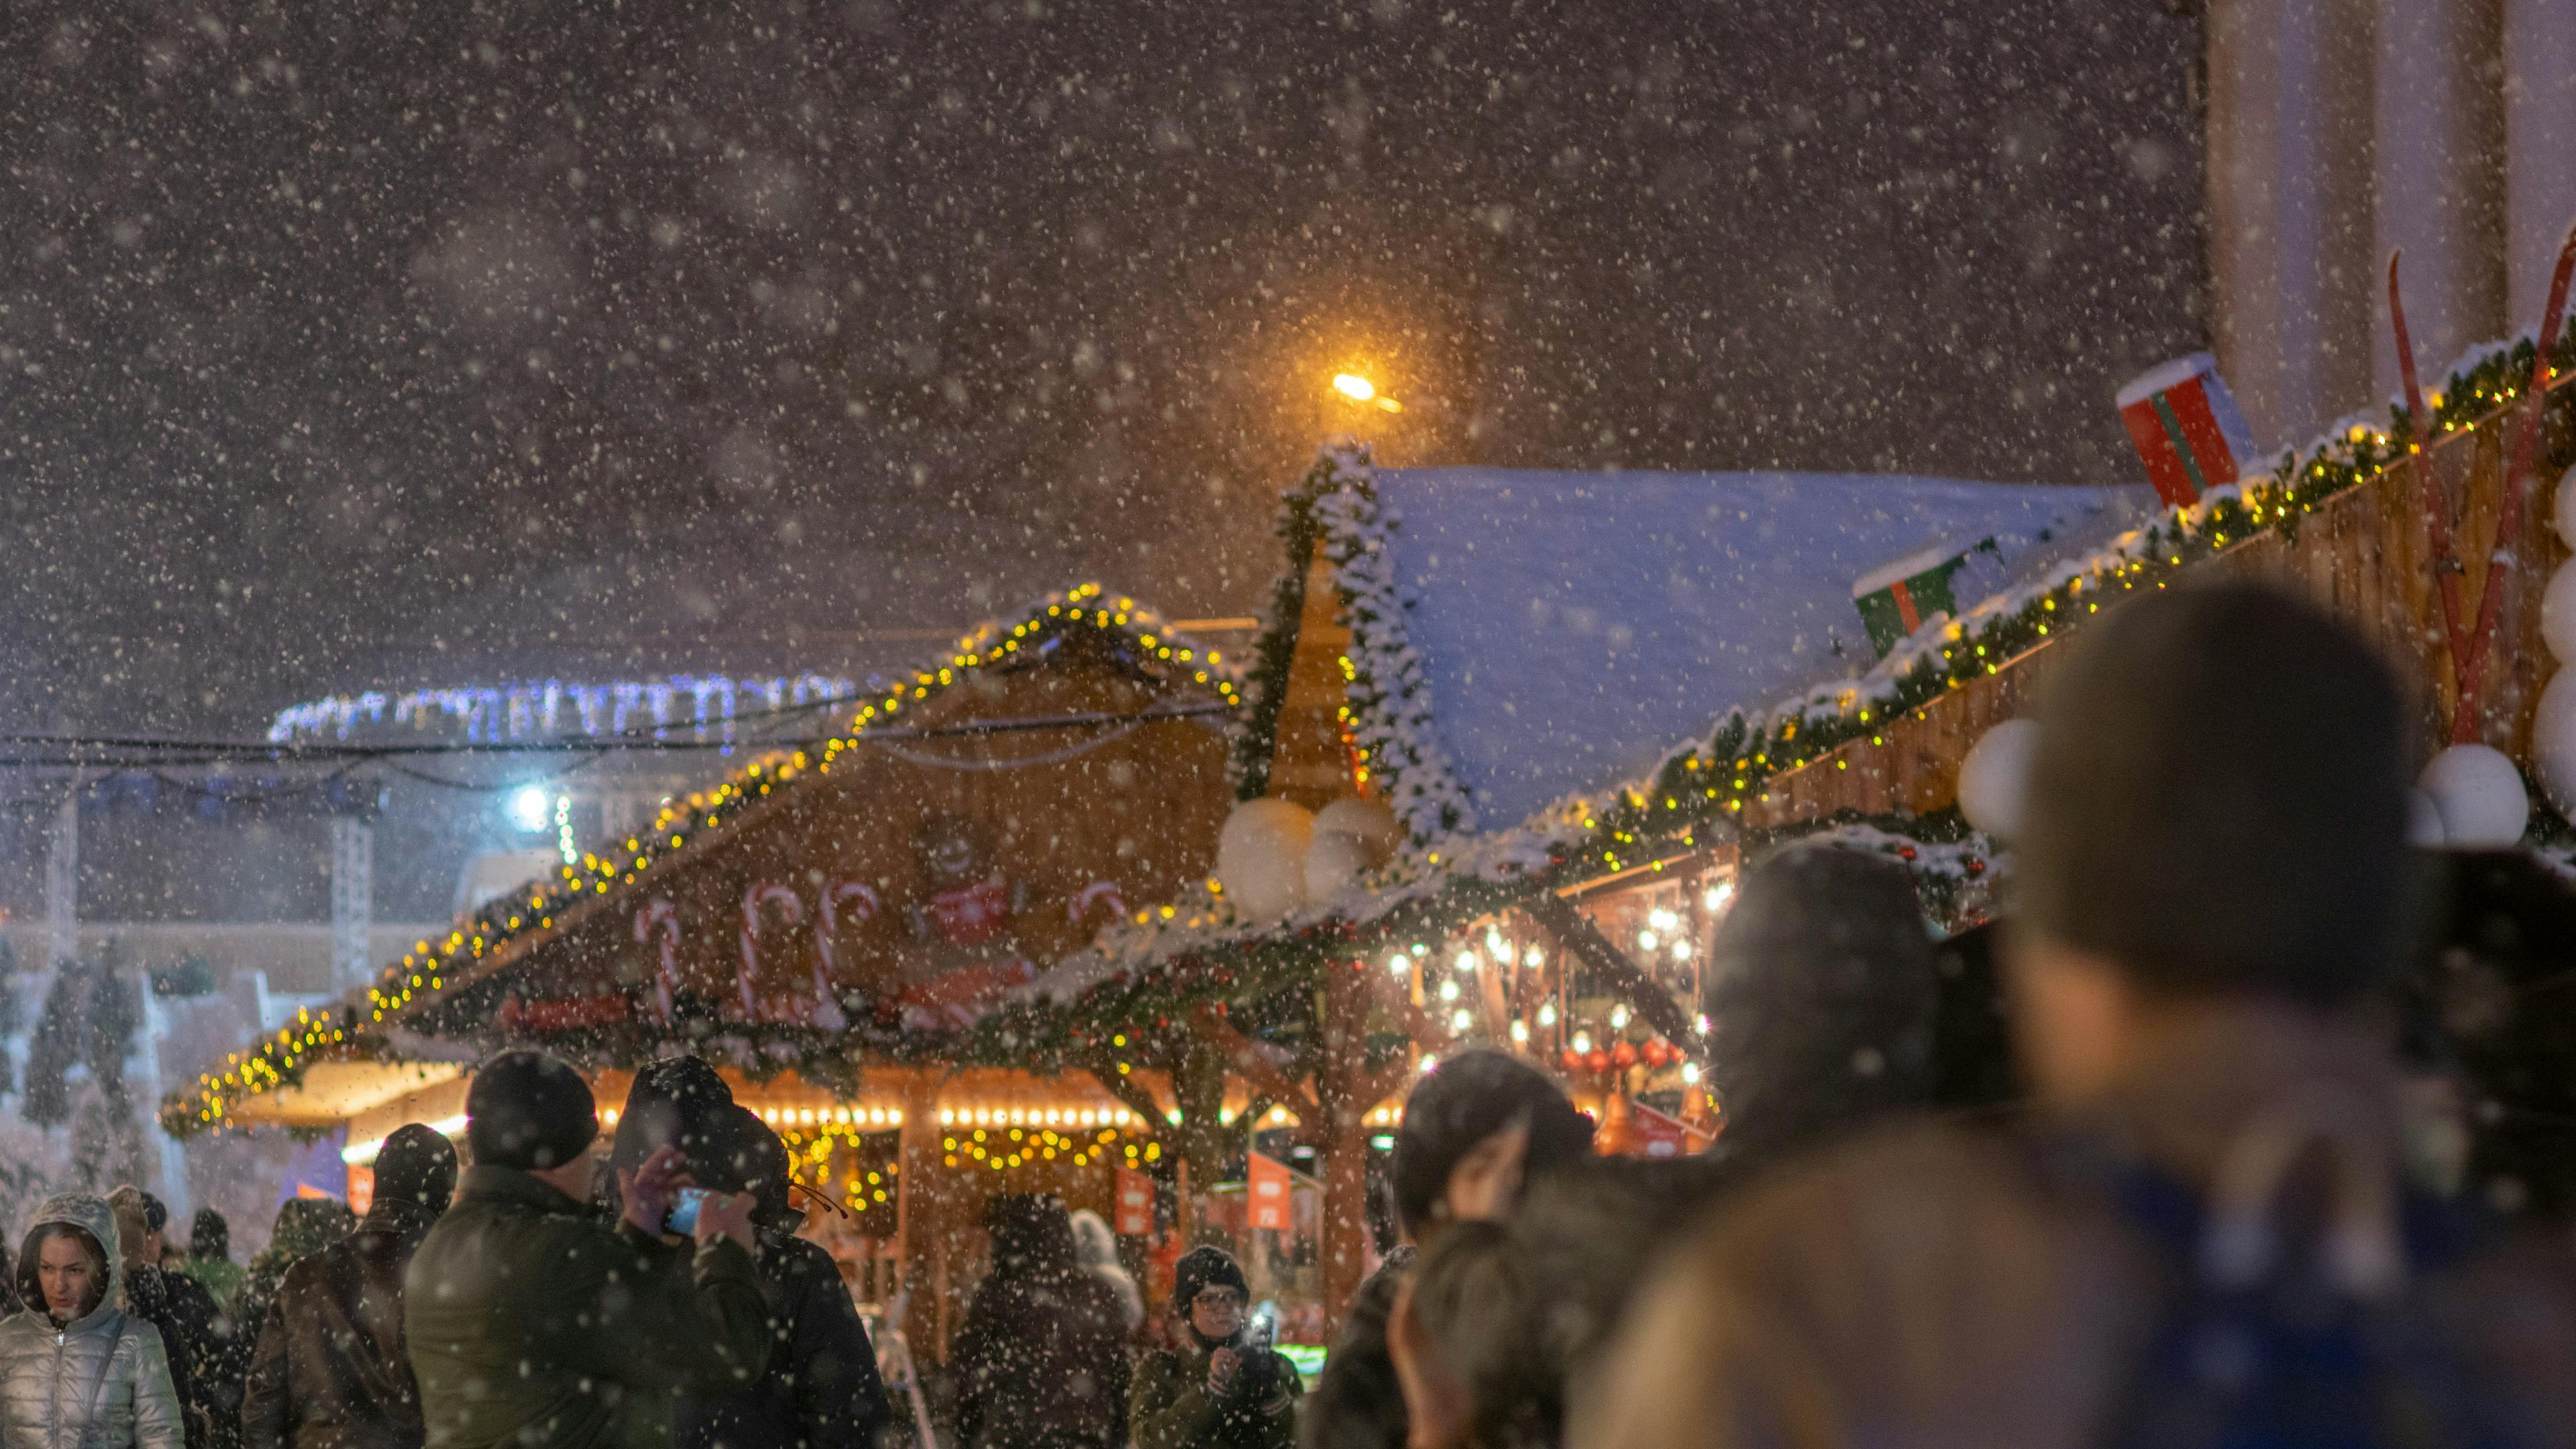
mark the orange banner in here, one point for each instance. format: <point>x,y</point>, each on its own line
<point>1269,1185</point>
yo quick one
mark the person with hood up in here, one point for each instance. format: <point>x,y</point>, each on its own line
<point>192,1329</point>
<point>1096,1249</point>
<point>1040,1362</point>
<point>210,1258</point>
<point>330,1371</point>
<point>533,1324</point>
<point>76,1370</point>
<point>819,1388</point>
<point>1217,1392</point>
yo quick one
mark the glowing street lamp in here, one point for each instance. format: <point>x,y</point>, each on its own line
<point>1360,390</point>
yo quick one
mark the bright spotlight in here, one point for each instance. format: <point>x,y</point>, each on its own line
<point>530,808</point>
<point>1353,386</point>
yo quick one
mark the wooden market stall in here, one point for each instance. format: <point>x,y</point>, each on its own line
<point>1463,669</point>
<point>834,927</point>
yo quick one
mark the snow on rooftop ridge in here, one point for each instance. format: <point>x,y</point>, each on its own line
<point>538,708</point>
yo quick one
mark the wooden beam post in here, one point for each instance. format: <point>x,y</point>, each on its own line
<point>1344,1091</point>
<point>1575,932</point>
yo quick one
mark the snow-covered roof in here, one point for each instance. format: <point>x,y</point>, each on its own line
<point>1569,626</point>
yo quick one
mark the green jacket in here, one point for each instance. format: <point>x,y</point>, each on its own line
<point>533,1326</point>
<point>1170,1408</point>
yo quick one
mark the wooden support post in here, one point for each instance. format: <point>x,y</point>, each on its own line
<point>1341,1143</point>
<point>921,1224</point>
<point>1575,932</point>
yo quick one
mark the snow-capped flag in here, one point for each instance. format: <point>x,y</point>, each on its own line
<point>1895,600</point>
<point>2186,427</point>
<point>1269,1192</point>
<point>1135,1202</point>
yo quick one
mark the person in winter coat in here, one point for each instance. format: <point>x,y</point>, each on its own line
<point>210,1258</point>
<point>1040,1361</point>
<point>533,1325</point>
<point>1822,992</point>
<point>330,1371</point>
<point>1096,1249</point>
<point>1478,1131</point>
<point>304,1226</point>
<point>2211,895</point>
<point>76,1370</point>
<point>819,1388</point>
<point>1217,1391</point>
<point>192,1331</point>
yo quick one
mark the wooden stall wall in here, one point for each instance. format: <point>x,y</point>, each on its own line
<point>2362,555</point>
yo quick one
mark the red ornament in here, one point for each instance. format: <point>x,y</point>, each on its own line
<point>1598,1061</point>
<point>1572,1059</point>
<point>1624,1055</point>
<point>1905,852</point>
<point>1654,1052</point>
<point>1975,866</point>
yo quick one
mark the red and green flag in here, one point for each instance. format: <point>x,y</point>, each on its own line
<point>2186,427</point>
<point>1895,600</point>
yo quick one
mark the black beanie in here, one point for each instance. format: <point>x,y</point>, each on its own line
<point>528,1110</point>
<point>156,1214</point>
<point>210,1236</point>
<point>1820,991</point>
<point>1202,1268</point>
<point>416,1165</point>
<point>1465,1100</point>
<point>2217,800</point>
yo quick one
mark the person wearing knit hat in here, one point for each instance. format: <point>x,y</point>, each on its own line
<point>210,1257</point>
<point>2207,898</point>
<point>527,1320</point>
<point>1225,1387</point>
<point>328,1364</point>
<point>529,1111</point>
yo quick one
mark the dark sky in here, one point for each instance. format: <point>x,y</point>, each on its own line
<point>425,342</point>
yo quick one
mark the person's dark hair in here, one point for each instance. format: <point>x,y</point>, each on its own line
<point>210,1237</point>
<point>31,1290</point>
<point>1820,995</point>
<point>1465,1100</point>
<point>416,1165</point>
<point>1202,1268</point>
<point>1471,1290</point>
<point>737,1152</point>
<point>1032,1235</point>
<point>156,1213</point>
<point>2217,800</point>
<point>529,1110</point>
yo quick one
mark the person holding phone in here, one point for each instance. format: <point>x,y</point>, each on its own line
<point>530,1323</point>
<point>1226,1388</point>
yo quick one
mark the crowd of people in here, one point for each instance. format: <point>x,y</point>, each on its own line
<point>2206,1220</point>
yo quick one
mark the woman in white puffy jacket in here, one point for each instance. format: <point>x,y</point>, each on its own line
<point>76,1370</point>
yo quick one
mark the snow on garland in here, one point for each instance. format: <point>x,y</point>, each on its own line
<point>363,1025</point>
<point>1390,710</point>
<point>1458,875</point>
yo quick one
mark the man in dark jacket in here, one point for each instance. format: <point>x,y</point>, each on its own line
<point>330,1371</point>
<point>533,1325</point>
<point>1216,1391</point>
<point>820,1388</point>
<point>191,1327</point>
<point>1041,1361</point>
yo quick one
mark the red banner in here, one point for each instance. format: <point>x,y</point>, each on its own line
<point>1269,1193</point>
<point>1135,1202</point>
<point>1660,1136</point>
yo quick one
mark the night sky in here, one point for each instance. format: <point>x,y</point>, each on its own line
<point>430,343</point>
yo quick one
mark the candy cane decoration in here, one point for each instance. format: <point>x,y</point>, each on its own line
<point>863,900</point>
<point>662,917</point>
<point>1091,895</point>
<point>766,893</point>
